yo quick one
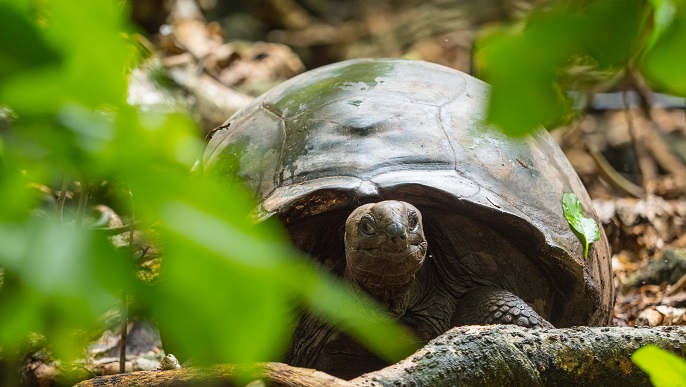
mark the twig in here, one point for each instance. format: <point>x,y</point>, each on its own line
<point>124,333</point>
<point>102,221</point>
<point>612,176</point>
<point>643,91</point>
<point>661,153</point>
<point>291,14</point>
<point>199,61</point>
<point>115,230</point>
<point>83,202</point>
<point>653,142</point>
<point>125,306</point>
<point>644,171</point>
<point>62,197</point>
<point>677,287</point>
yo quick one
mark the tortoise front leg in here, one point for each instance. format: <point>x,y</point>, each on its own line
<point>487,305</point>
<point>320,346</point>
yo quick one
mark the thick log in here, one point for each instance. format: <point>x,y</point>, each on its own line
<point>510,355</point>
<point>469,356</point>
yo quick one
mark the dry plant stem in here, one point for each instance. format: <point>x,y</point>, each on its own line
<point>83,202</point>
<point>291,14</point>
<point>192,12</point>
<point>654,143</point>
<point>612,176</point>
<point>651,149</point>
<point>680,285</point>
<point>62,197</point>
<point>646,167</point>
<point>643,91</point>
<point>115,230</point>
<point>662,154</point>
<point>200,63</point>
<point>124,332</point>
<point>124,304</point>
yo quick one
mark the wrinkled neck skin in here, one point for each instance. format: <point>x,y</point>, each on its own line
<point>395,297</point>
<point>385,248</point>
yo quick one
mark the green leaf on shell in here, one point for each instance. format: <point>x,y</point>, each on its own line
<point>663,367</point>
<point>585,228</point>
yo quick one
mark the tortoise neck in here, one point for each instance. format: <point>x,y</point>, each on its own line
<point>394,296</point>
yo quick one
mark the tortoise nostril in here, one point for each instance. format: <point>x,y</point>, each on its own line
<point>396,239</point>
<point>396,230</point>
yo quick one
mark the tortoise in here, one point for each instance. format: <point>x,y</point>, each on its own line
<point>385,172</point>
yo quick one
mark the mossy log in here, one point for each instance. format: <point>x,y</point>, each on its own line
<point>510,355</point>
<point>470,356</point>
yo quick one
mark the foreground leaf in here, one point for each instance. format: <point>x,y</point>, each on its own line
<point>664,368</point>
<point>525,62</point>
<point>59,280</point>
<point>664,61</point>
<point>228,290</point>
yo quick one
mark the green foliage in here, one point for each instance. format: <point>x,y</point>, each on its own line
<point>534,63</point>
<point>664,368</point>
<point>585,228</point>
<point>229,290</point>
<point>664,61</point>
<point>34,52</point>
<point>54,284</point>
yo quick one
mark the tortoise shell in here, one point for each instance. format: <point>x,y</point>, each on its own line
<point>365,130</point>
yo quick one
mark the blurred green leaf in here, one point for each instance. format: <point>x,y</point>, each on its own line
<point>59,280</point>
<point>585,228</point>
<point>664,61</point>
<point>93,68</point>
<point>358,316</point>
<point>229,290</point>
<point>26,48</point>
<point>523,61</point>
<point>246,274</point>
<point>214,310</point>
<point>235,305</point>
<point>18,198</point>
<point>664,368</point>
<point>664,12</point>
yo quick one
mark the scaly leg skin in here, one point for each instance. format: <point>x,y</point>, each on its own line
<point>486,305</point>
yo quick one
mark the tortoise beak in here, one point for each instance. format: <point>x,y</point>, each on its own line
<point>397,236</point>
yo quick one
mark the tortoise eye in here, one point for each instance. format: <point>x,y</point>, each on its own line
<point>367,225</point>
<point>412,221</point>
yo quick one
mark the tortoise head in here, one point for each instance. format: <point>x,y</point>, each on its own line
<point>385,247</point>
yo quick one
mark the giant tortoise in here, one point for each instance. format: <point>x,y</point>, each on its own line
<point>384,171</point>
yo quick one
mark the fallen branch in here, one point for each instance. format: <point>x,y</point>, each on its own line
<point>471,355</point>
<point>278,375</point>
